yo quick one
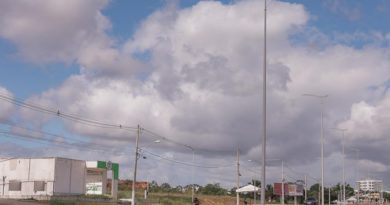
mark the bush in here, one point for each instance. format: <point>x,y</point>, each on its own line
<point>59,202</point>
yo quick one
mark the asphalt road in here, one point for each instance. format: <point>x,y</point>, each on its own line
<point>15,202</point>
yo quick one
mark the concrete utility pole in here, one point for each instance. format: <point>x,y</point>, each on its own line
<point>329,195</point>
<point>135,166</point>
<point>238,176</point>
<point>263,183</point>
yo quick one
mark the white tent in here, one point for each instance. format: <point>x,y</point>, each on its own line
<point>248,188</point>
<point>352,199</point>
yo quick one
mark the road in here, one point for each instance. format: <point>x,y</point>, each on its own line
<point>15,202</point>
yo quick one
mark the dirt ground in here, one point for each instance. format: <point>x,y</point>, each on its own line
<point>15,202</point>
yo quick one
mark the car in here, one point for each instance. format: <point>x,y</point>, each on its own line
<point>311,201</point>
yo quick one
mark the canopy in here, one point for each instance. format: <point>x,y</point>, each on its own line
<point>248,188</point>
<point>352,199</point>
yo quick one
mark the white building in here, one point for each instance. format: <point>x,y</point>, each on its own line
<point>370,185</point>
<point>42,178</point>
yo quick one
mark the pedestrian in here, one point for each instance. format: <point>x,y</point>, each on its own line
<point>245,202</point>
<point>196,201</point>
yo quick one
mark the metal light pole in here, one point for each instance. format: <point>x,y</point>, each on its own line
<point>305,187</point>
<point>238,177</point>
<point>282,182</point>
<point>263,183</point>
<point>357,173</point>
<point>343,149</point>
<point>192,171</point>
<point>321,97</point>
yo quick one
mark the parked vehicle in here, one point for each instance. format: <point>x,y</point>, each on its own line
<point>311,201</point>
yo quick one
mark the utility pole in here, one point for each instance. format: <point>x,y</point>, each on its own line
<point>329,196</point>
<point>238,176</point>
<point>263,183</point>
<point>135,166</point>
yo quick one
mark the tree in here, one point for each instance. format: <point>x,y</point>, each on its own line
<point>153,187</point>
<point>165,187</point>
<point>213,189</point>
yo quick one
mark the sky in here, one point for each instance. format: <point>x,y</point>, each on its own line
<point>190,74</point>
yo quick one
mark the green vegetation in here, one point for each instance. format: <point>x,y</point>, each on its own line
<point>69,202</point>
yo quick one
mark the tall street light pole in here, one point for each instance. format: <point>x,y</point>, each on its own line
<point>343,149</point>
<point>238,177</point>
<point>357,173</point>
<point>192,171</point>
<point>269,160</point>
<point>262,199</point>
<point>321,97</point>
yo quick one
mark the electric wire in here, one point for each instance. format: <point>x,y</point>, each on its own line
<point>44,133</point>
<point>61,144</point>
<point>64,115</point>
<point>186,163</point>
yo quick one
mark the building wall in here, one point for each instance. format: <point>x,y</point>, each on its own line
<point>370,185</point>
<point>69,176</point>
<point>97,176</point>
<point>28,172</point>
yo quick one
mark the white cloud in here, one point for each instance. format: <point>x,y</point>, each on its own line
<point>204,85</point>
<point>52,31</point>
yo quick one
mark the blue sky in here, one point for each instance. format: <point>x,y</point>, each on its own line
<point>191,73</point>
<point>126,16</point>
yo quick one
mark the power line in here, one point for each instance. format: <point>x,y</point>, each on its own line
<point>44,133</point>
<point>186,163</point>
<point>61,144</point>
<point>61,114</point>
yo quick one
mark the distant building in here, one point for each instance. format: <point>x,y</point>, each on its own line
<point>42,178</point>
<point>370,185</point>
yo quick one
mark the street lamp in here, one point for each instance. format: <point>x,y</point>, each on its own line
<point>192,170</point>
<point>321,97</point>
<point>357,173</point>
<point>137,155</point>
<point>343,148</point>
<point>263,186</point>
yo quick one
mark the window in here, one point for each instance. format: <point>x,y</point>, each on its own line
<point>39,186</point>
<point>15,185</point>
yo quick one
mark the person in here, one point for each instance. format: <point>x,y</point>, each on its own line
<point>196,201</point>
<point>245,202</point>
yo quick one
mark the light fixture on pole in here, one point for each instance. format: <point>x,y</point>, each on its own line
<point>137,155</point>
<point>321,97</point>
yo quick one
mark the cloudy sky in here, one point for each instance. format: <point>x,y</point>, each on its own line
<point>190,72</point>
